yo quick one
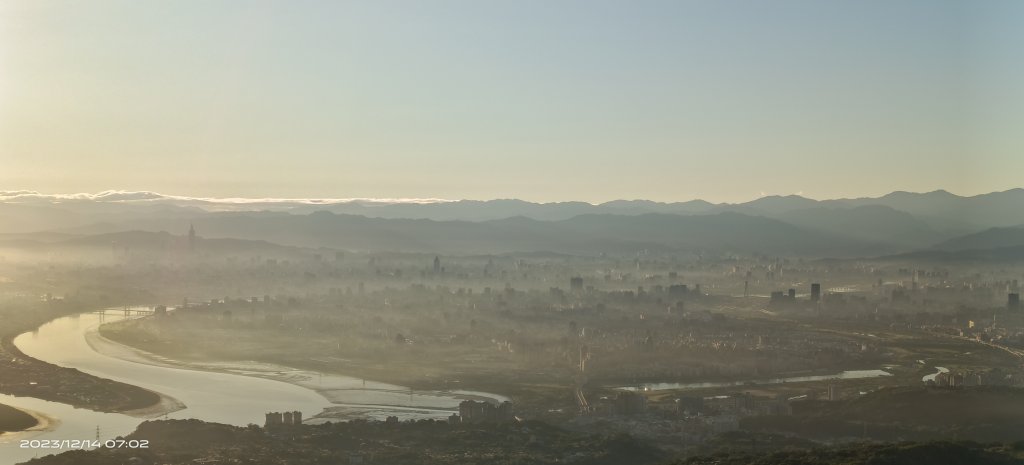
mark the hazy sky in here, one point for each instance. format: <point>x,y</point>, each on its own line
<point>541,100</point>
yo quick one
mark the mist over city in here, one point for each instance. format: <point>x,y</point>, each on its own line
<point>452,232</point>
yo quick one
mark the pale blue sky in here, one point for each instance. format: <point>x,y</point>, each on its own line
<point>541,100</point>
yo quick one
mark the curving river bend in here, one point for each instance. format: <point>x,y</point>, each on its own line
<point>224,393</point>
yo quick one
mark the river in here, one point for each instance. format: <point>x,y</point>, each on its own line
<point>850,374</point>
<point>237,394</point>
<point>931,377</point>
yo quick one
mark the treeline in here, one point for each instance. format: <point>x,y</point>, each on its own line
<point>980,413</point>
<point>930,453</point>
<point>423,442</point>
<point>428,442</point>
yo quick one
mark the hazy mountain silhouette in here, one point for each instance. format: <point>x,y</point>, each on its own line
<point>477,210</point>
<point>998,254</point>
<point>948,214</point>
<point>584,234</point>
<point>897,220</point>
<point>874,223</point>
<point>140,241</point>
<point>945,210</point>
<point>770,205</point>
<point>987,239</point>
<point>24,217</point>
<point>995,209</point>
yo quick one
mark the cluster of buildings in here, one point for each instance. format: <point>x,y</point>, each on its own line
<point>283,418</point>
<point>952,295</point>
<point>738,405</point>
<point>471,411</point>
<point>677,291</point>
<point>789,297</point>
<point>972,378</point>
<point>695,420</point>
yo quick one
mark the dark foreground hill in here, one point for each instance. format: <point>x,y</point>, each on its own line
<point>980,413</point>
<point>930,453</point>
<point>186,442</point>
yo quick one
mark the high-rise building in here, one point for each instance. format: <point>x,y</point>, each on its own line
<point>191,237</point>
<point>815,292</point>
<point>273,419</point>
<point>576,284</point>
<point>1013,301</point>
<point>678,290</point>
<point>485,412</point>
<point>437,264</point>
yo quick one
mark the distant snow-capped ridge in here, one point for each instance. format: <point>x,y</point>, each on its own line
<point>120,196</point>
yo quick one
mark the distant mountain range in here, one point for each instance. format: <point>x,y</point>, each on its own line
<point>987,239</point>
<point>584,234</point>
<point>1014,254</point>
<point>791,225</point>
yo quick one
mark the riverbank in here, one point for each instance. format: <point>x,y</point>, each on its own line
<point>351,397</point>
<point>25,376</point>
<point>186,337</point>
<point>41,423</point>
<point>110,348</point>
<point>211,397</point>
<point>12,419</point>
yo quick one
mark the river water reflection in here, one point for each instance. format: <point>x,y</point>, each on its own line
<point>235,394</point>
<point>851,374</point>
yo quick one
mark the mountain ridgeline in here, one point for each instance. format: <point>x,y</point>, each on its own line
<point>896,223</point>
